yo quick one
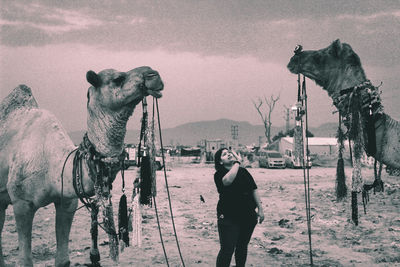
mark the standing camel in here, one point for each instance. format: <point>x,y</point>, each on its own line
<point>34,148</point>
<point>337,69</point>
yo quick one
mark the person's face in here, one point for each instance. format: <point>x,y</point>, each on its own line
<point>226,157</point>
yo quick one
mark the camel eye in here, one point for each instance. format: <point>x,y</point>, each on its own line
<point>118,81</point>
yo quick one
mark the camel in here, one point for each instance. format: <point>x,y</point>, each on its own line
<point>337,69</point>
<point>34,148</point>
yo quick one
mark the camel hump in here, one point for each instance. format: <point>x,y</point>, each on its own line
<point>20,98</point>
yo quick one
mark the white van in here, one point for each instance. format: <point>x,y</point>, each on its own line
<point>291,162</point>
<point>271,159</point>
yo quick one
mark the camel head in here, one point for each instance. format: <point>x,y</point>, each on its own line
<point>114,89</point>
<point>335,67</point>
<point>111,101</point>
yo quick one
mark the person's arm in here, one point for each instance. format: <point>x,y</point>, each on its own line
<point>260,211</point>
<point>231,175</point>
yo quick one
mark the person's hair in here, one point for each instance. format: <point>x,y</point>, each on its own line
<point>217,159</point>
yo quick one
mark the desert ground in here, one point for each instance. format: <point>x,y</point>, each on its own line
<point>281,240</point>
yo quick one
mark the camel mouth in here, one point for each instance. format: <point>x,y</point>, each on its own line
<point>293,65</point>
<point>155,93</point>
<point>293,69</point>
<point>153,84</point>
<point>151,74</point>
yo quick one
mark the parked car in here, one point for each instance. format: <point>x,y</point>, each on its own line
<point>131,159</point>
<point>292,162</point>
<point>131,156</point>
<point>271,159</point>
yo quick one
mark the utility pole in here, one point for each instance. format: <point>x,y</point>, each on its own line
<point>235,132</point>
<point>235,135</point>
<point>297,137</point>
<point>287,117</point>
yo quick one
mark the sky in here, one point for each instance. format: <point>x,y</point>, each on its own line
<point>215,57</point>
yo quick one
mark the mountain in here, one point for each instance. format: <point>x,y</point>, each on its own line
<point>193,132</point>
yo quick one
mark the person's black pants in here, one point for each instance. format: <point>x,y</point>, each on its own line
<point>234,236</point>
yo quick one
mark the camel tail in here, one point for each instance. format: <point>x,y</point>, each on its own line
<point>20,98</point>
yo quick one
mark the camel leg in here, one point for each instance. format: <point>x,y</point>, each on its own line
<point>94,251</point>
<point>24,212</point>
<point>64,216</point>
<point>2,218</point>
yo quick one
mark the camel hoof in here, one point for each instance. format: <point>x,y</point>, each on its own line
<point>94,259</point>
<point>96,264</point>
<point>65,264</point>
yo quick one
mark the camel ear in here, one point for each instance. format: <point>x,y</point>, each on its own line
<point>93,79</point>
<point>337,48</point>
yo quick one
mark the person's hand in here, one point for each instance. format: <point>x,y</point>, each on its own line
<point>236,157</point>
<point>260,214</point>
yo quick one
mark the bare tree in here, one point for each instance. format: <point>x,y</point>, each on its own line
<point>265,113</point>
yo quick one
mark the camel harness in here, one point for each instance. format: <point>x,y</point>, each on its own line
<point>102,171</point>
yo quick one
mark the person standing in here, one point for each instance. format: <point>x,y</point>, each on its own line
<point>236,208</point>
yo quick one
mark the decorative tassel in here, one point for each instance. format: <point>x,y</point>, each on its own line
<point>123,234</point>
<point>137,223</point>
<point>341,188</point>
<point>371,136</point>
<point>145,181</point>
<point>152,155</point>
<point>378,183</point>
<point>357,181</point>
<point>94,232</point>
<point>110,229</point>
<point>356,134</point>
<point>132,207</point>
<point>354,207</point>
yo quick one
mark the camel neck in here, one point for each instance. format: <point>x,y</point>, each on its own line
<point>107,132</point>
<point>346,78</point>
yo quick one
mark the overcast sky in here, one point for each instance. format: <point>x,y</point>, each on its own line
<point>215,57</point>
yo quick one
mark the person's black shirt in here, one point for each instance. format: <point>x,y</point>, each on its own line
<point>236,200</point>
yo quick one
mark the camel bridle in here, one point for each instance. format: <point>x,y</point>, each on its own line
<point>367,97</point>
<point>370,96</point>
<point>102,169</point>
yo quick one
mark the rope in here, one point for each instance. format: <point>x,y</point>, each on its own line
<point>62,177</point>
<point>156,211</point>
<point>159,230</point>
<point>166,183</point>
<point>306,170</point>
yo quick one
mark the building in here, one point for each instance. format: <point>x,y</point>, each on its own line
<point>322,146</point>
<point>212,146</point>
<point>325,147</point>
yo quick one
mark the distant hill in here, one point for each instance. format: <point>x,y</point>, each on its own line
<point>191,133</point>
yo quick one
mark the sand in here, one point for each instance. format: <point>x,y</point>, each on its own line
<point>281,240</point>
